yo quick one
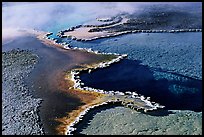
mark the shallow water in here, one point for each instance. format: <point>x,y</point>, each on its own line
<point>45,78</point>
<point>42,82</point>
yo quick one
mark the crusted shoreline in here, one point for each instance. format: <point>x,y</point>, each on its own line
<point>93,32</point>
<point>107,35</point>
<point>128,99</point>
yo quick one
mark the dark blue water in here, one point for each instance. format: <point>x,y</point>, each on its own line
<point>181,93</point>
<point>167,67</point>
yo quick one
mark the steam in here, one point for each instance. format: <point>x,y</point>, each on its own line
<point>40,14</point>
<point>47,14</point>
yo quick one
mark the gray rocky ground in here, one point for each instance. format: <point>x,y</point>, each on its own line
<point>19,107</point>
<point>124,121</point>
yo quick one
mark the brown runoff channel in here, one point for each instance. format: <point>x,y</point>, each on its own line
<point>45,80</point>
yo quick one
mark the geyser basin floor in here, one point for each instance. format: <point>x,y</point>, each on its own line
<point>19,107</point>
<point>124,121</point>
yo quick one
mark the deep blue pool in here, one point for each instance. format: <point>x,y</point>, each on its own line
<point>175,91</point>
<point>165,66</point>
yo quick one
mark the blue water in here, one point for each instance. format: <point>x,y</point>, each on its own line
<point>174,91</point>
<point>165,66</point>
<point>180,53</point>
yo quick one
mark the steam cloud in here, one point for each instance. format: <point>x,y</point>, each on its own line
<point>38,15</point>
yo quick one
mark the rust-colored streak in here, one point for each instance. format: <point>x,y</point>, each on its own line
<point>88,98</point>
